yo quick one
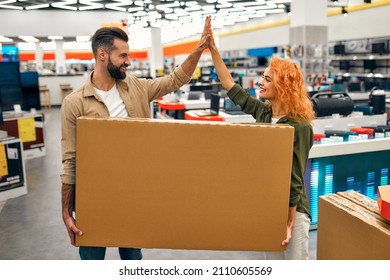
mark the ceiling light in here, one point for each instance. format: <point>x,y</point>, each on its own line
<point>36,7</point>
<point>5,39</point>
<point>28,46</point>
<point>4,5</point>
<point>135,9</point>
<point>29,38</point>
<point>64,5</point>
<point>55,37</point>
<point>118,5</point>
<point>83,38</point>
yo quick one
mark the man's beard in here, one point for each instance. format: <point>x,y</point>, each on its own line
<point>114,71</point>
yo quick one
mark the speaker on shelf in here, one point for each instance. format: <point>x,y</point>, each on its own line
<point>327,104</point>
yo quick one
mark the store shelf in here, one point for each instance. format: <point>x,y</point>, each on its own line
<point>359,57</point>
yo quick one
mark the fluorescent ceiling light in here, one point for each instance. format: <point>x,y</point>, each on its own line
<point>29,46</point>
<point>83,38</point>
<point>55,37</point>
<point>278,1</point>
<point>135,9</point>
<point>118,5</point>
<point>64,5</point>
<point>5,39</point>
<point>266,7</point>
<point>245,4</point>
<point>273,11</point>
<point>29,38</point>
<point>193,8</point>
<point>4,5</point>
<point>36,7</point>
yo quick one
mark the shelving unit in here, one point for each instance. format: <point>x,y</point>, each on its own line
<point>363,60</point>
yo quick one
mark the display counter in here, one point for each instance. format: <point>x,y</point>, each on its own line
<point>345,123</point>
<point>359,165</point>
<point>53,84</point>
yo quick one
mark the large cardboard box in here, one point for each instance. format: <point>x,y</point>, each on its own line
<point>182,185</point>
<point>350,228</point>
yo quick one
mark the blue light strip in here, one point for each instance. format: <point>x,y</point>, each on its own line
<point>328,179</point>
<point>384,177</point>
<point>314,180</point>
<point>370,185</point>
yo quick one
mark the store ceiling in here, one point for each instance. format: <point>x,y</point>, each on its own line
<point>160,13</point>
<point>162,7</point>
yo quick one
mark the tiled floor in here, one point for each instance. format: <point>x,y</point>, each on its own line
<point>31,226</point>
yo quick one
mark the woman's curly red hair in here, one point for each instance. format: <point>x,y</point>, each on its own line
<point>290,87</point>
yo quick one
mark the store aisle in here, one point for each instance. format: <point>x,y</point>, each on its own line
<point>31,226</point>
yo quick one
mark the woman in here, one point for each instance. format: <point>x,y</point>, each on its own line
<point>282,85</point>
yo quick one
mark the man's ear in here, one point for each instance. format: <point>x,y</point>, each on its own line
<point>101,54</point>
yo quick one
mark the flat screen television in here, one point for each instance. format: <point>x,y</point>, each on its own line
<point>9,74</point>
<point>30,90</point>
<point>10,53</point>
<point>344,65</point>
<point>379,48</point>
<point>339,49</point>
<point>262,61</point>
<point>10,96</point>
<point>369,64</point>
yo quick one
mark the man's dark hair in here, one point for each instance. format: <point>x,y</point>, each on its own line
<point>104,38</point>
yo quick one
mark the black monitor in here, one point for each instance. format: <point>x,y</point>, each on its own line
<point>207,93</point>
<point>9,74</point>
<point>379,48</point>
<point>10,96</point>
<point>354,87</point>
<point>262,61</point>
<point>344,65</point>
<point>369,64</point>
<point>30,89</point>
<point>339,49</point>
<point>200,87</point>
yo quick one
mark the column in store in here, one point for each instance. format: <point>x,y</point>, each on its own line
<point>39,57</point>
<point>60,57</point>
<point>309,38</point>
<point>156,54</point>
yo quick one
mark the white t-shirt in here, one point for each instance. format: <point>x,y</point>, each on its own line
<point>274,120</point>
<point>113,101</point>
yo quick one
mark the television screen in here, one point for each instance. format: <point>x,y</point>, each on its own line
<point>369,64</point>
<point>354,87</point>
<point>10,96</point>
<point>10,53</point>
<point>262,61</point>
<point>30,89</point>
<point>9,74</point>
<point>339,49</point>
<point>378,48</point>
<point>344,65</point>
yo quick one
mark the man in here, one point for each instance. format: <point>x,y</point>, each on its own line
<point>108,92</point>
